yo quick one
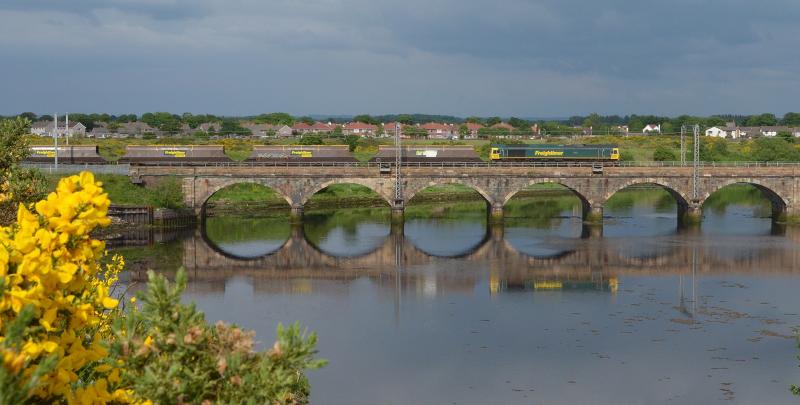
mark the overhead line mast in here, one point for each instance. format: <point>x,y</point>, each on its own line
<point>398,160</point>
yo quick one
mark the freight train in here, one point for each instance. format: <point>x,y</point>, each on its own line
<point>299,154</point>
<point>557,153</point>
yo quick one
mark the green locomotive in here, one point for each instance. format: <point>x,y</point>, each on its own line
<point>571,153</point>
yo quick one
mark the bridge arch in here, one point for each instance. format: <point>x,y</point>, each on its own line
<point>779,203</point>
<point>676,190</point>
<point>414,188</point>
<point>586,202</point>
<point>316,188</point>
<point>219,185</point>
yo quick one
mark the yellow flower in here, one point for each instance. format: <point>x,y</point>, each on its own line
<point>110,303</point>
<point>49,261</point>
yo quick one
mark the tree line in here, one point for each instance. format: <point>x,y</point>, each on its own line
<point>600,124</point>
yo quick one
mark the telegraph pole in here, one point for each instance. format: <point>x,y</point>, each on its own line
<point>66,130</point>
<point>55,139</point>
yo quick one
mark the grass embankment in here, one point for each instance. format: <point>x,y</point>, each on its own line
<point>166,194</point>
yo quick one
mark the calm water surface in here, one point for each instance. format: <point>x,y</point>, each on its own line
<point>541,310</point>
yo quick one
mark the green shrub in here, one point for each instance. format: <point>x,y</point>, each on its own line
<point>168,193</point>
<point>664,154</point>
<point>626,156</point>
<point>169,354</point>
<point>311,139</point>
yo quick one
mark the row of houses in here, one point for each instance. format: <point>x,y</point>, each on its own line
<point>732,131</point>
<point>432,130</point>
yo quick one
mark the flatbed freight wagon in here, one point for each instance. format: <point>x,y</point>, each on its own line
<point>427,154</point>
<point>302,153</point>
<point>73,154</point>
<point>155,154</point>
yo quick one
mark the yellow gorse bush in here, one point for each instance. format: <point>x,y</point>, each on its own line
<point>50,263</point>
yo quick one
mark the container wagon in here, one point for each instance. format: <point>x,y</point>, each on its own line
<point>557,153</point>
<point>427,154</point>
<point>159,154</point>
<point>73,154</point>
<point>301,153</point>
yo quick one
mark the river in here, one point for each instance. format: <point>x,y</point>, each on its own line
<point>452,310</point>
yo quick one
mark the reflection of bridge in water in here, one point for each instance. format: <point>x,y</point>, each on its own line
<point>298,267</point>
<point>674,254</point>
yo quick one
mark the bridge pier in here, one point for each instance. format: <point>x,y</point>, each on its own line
<point>496,214</point>
<point>594,214</point>
<point>689,215</point>
<point>496,231</point>
<point>296,214</point>
<point>785,214</point>
<point>296,231</point>
<point>398,214</point>
<point>591,231</point>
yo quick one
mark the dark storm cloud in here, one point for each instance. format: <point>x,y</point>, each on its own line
<point>158,10</point>
<point>544,57</point>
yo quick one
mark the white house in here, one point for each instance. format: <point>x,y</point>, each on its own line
<point>775,130</point>
<point>717,132</point>
<point>41,128</point>
<point>649,128</point>
<point>45,128</point>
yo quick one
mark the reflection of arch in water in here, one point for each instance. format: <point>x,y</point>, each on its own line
<point>778,203</point>
<point>563,254</point>
<point>474,249</point>
<point>324,252</point>
<point>216,248</point>
<point>633,252</point>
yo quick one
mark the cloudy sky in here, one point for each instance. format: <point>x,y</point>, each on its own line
<point>530,58</point>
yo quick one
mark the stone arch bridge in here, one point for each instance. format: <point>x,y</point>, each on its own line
<point>497,184</point>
